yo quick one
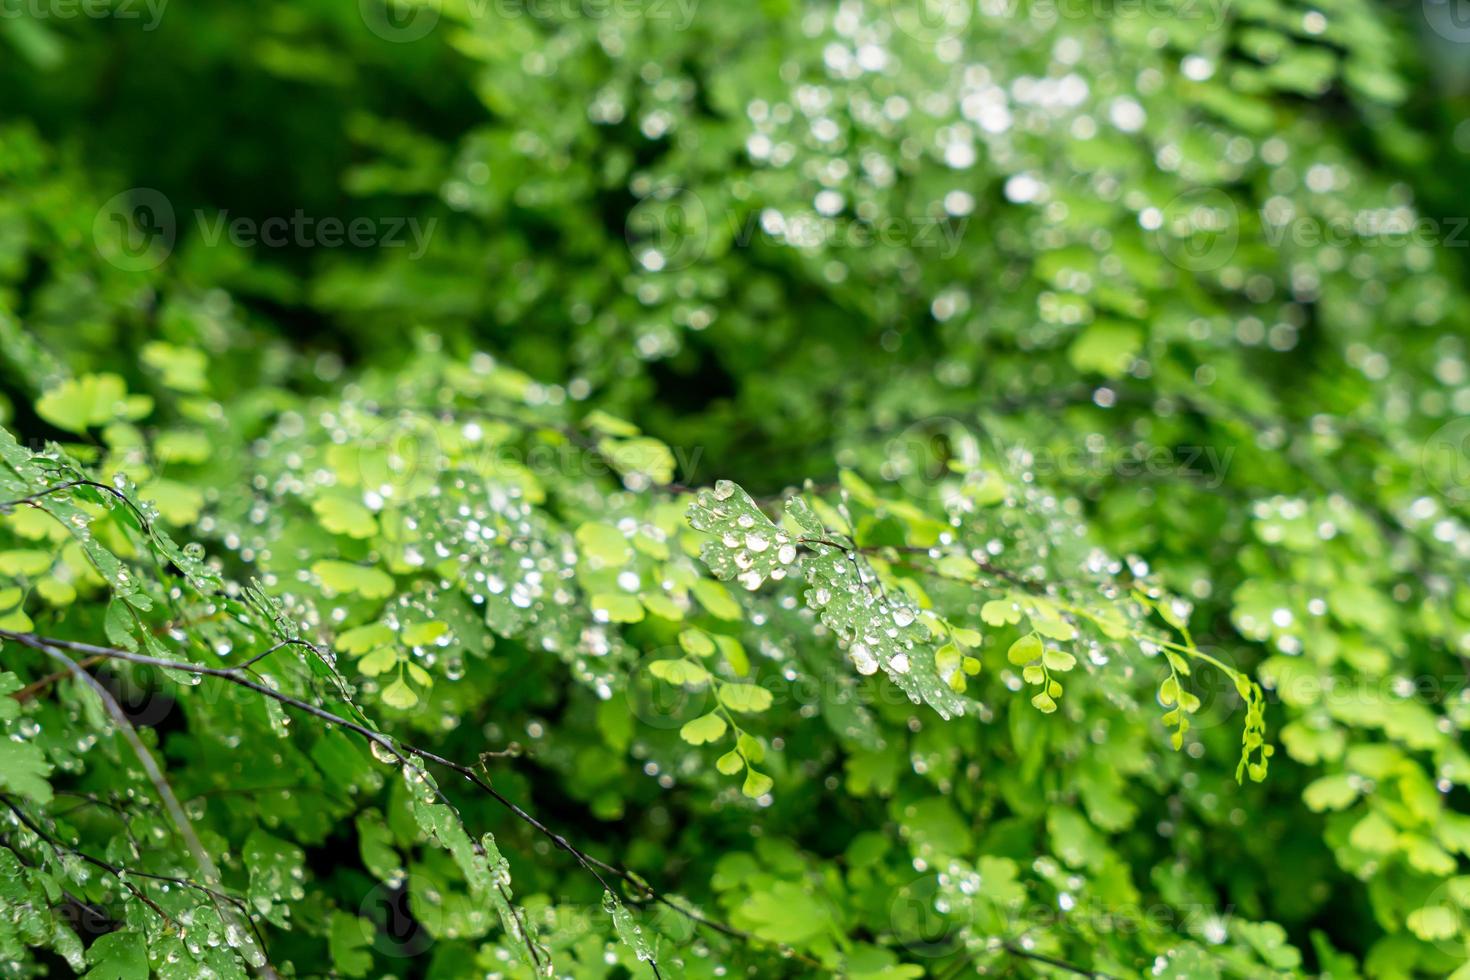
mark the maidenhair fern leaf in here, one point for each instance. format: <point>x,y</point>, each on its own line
<point>744,543</point>
<point>629,931</point>
<point>485,869</point>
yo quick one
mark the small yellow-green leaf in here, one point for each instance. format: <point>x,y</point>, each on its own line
<point>734,653</point>
<point>715,598</point>
<point>360,639</point>
<point>90,400</point>
<point>966,637</point>
<point>1058,660</point>
<point>1000,612</point>
<point>678,672</point>
<point>380,660</point>
<point>28,562</point>
<point>425,633</point>
<point>757,784</point>
<point>604,545</point>
<point>1024,650</point>
<point>399,695</point>
<point>56,591</point>
<point>179,503</point>
<point>341,576</point>
<point>182,368</point>
<point>745,697</point>
<point>342,516</point>
<point>610,607</point>
<point>1053,627</point>
<point>753,748</point>
<point>1333,792</point>
<point>707,728</point>
<point>609,425</point>
<point>697,642</point>
<point>182,446</point>
<point>661,606</point>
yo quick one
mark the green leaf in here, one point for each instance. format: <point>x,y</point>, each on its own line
<point>399,695</point>
<point>1001,612</point>
<point>344,577</point>
<point>88,401</point>
<point>756,784</point>
<point>24,770</point>
<point>1024,650</point>
<point>612,607</point>
<point>121,955</point>
<point>341,516</point>
<point>1058,660</point>
<point>715,598</point>
<point>424,634</point>
<point>379,661</point>
<point>679,672</point>
<point>27,562</point>
<point>734,654</point>
<point>742,543</point>
<point>744,697</point>
<point>629,932</point>
<point>604,545</point>
<point>696,642</point>
<point>360,639</point>
<point>641,461</point>
<point>485,869</point>
<point>348,943</point>
<point>708,728</point>
<point>182,368</point>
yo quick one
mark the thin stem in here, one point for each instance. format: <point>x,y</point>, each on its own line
<point>150,765</point>
<point>400,750</point>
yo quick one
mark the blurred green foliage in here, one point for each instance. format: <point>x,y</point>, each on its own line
<point>932,487</point>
